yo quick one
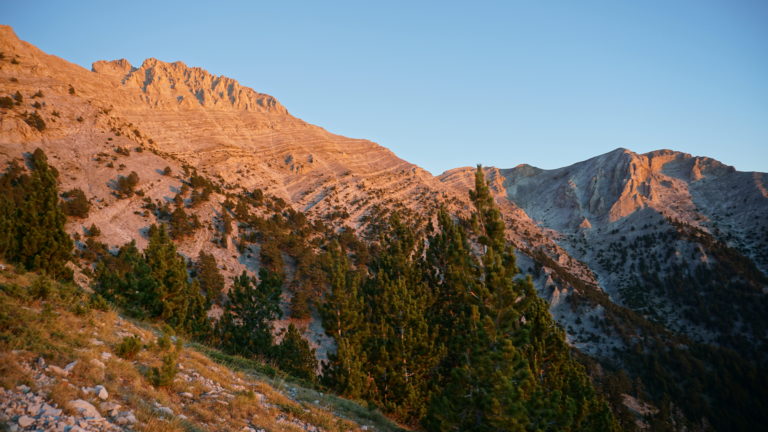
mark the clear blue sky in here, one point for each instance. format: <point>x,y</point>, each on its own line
<point>446,84</point>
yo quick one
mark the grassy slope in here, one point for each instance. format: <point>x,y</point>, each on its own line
<point>61,329</point>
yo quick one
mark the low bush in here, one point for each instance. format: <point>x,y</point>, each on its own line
<point>129,347</point>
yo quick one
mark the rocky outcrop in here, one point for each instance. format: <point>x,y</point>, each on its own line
<point>175,85</point>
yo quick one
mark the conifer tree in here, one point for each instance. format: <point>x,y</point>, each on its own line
<point>515,372</point>
<point>343,313</point>
<point>295,356</point>
<point>210,278</point>
<point>126,279</point>
<point>175,300</point>
<point>401,344</point>
<point>246,326</point>
<point>77,204</point>
<point>31,220</point>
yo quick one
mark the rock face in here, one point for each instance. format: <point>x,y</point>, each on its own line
<point>656,230</point>
<point>175,85</point>
<point>225,131</point>
<point>607,189</point>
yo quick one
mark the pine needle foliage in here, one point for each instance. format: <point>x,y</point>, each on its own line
<point>440,328</point>
<point>31,220</point>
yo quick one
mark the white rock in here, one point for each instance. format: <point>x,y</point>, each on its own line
<point>84,408</point>
<point>70,366</point>
<point>51,411</point>
<point>106,355</point>
<point>165,410</point>
<point>23,388</point>
<point>33,409</point>
<point>187,395</point>
<point>125,418</point>
<point>57,370</point>
<point>101,392</point>
<point>25,421</point>
<point>97,363</point>
<point>109,406</point>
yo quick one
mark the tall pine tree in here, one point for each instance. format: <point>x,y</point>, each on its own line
<point>246,327</point>
<point>343,313</point>
<point>31,219</point>
<point>514,371</point>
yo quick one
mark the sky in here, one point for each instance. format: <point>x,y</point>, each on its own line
<point>445,84</point>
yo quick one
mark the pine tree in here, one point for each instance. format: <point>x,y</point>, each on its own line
<point>77,204</point>
<point>176,301</point>
<point>295,356</point>
<point>154,284</point>
<point>210,278</point>
<point>126,280</point>
<point>31,220</point>
<point>401,344</point>
<point>246,326</point>
<point>343,313</point>
<point>515,372</point>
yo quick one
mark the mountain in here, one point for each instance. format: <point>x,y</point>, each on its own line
<point>677,245</point>
<point>667,234</point>
<point>649,262</point>
<point>188,117</point>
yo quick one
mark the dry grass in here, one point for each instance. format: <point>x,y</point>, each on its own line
<point>61,335</point>
<point>62,392</point>
<point>11,372</point>
<point>84,371</point>
<point>156,424</point>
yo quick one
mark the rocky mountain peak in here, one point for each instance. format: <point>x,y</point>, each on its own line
<point>176,85</point>
<point>6,32</point>
<point>10,43</point>
<point>117,68</point>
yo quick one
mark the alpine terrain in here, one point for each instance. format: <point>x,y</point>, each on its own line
<point>156,219</point>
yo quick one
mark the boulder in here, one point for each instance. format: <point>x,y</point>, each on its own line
<point>101,392</point>
<point>126,418</point>
<point>110,407</point>
<point>51,411</point>
<point>84,408</point>
<point>25,421</point>
<point>33,409</point>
